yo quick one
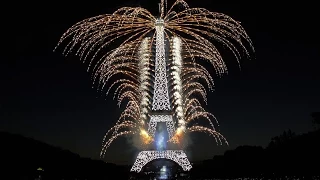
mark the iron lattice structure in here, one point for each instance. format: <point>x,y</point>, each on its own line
<point>177,156</point>
<point>155,119</point>
<point>160,103</point>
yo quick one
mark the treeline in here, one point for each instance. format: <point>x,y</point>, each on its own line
<point>20,158</point>
<point>286,155</point>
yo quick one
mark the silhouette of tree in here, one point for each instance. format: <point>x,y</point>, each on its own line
<point>283,138</point>
<point>21,157</point>
<point>288,154</point>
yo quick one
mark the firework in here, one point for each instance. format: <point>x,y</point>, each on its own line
<point>129,70</point>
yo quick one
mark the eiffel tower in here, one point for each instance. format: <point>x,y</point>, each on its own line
<point>150,77</point>
<point>161,108</point>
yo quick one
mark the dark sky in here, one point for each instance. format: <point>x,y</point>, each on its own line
<point>49,97</point>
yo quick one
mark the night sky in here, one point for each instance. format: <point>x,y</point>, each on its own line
<point>50,98</point>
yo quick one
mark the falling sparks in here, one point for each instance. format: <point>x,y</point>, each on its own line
<point>146,138</point>
<point>131,65</point>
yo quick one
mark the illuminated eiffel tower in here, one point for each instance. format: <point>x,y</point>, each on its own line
<point>161,105</point>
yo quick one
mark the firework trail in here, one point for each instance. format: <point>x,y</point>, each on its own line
<point>129,68</point>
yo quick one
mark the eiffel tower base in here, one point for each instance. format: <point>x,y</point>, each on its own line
<point>177,156</point>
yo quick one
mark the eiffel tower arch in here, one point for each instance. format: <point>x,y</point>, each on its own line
<point>178,156</point>
<point>161,109</point>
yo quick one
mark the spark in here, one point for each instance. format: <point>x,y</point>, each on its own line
<point>146,138</point>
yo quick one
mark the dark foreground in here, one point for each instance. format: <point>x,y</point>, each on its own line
<point>288,156</point>
<point>244,178</point>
